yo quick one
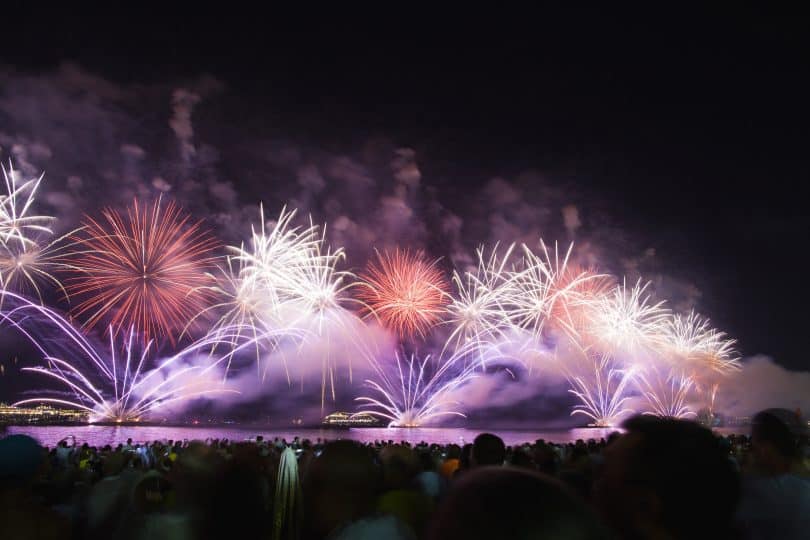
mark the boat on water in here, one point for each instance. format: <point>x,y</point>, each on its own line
<point>345,419</point>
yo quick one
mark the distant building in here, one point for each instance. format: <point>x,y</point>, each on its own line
<point>41,414</point>
<point>344,419</point>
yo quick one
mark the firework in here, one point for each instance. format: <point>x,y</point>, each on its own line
<point>26,271</point>
<point>284,286</point>
<point>404,292</point>
<point>416,394</point>
<point>275,258</point>
<point>17,226</point>
<point>665,395</point>
<point>28,258</point>
<point>110,387</point>
<point>242,306</point>
<point>533,290</point>
<point>479,314</point>
<point>282,266</point>
<point>625,321</point>
<point>144,270</point>
<point>149,272</point>
<point>692,340</point>
<point>575,291</point>
<point>322,315</point>
<point>602,390</point>
<point>548,290</point>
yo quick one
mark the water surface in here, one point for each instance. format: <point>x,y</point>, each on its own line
<point>112,435</point>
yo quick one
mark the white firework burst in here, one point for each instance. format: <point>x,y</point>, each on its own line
<point>665,394</point>
<point>415,392</point>
<point>114,386</point>
<point>551,291</point>
<point>479,315</point>
<point>28,256</point>
<point>691,339</point>
<point>602,388</point>
<point>626,321</point>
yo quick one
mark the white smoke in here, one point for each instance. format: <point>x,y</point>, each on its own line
<point>762,384</point>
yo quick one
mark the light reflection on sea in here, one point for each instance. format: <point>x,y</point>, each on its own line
<point>112,435</point>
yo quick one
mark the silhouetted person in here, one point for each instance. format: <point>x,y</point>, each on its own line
<point>402,496</point>
<point>667,479</point>
<point>464,460</point>
<point>487,449</point>
<point>238,503</point>
<point>521,458</point>
<point>340,487</point>
<point>496,502</point>
<point>776,499</point>
<point>22,515</point>
<point>546,459</point>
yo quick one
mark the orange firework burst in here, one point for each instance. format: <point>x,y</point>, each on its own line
<point>404,291</point>
<point>145,270</point>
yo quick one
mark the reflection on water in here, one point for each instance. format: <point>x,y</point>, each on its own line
<point>101,435</point>
<point>112,435</point>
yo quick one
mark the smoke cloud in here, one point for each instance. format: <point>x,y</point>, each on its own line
<point>102,142</point>
<point>762,384</point>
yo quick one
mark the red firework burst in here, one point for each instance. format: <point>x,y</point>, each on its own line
<point>404,291</point>
<point>145,270</point>
<point>573,291</point>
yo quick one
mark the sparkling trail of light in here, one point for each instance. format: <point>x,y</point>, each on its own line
<point>413,395</point>
<point>28,258</point>
<point>241,304</point>
<point>479,315</point>
<point>319,301</point>
<point>24,271</point>
<point>602,390</point>
<point>275,258</point>
<point>550,291</point>
<point>406,293</point>
<point>625,321</point>
<point>110,387</point>
<point>665,395</point>
<point>575,290</point>
<point>16,224</point>
<point>146,270</point>
<point>259,280</point>
<point>533,288</point>
<point>694,342</point>
<point>285,284</point>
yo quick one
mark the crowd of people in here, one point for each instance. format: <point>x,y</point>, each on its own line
<point>659,478</point>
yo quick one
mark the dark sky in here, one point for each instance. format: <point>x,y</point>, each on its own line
<point>692,126</point>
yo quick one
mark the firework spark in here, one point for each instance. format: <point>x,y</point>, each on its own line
<point>28,258</point>
<point>550,290</point>
<point>575,290</point>
<point>285,286</point>
<point>602,390</point>
<point>692,340</point>
<point>27,271</point>
<point>479,314</point>
<point>665,395</point>
<point>417,393</point>
<point>275,258</point>
<point>404,292</point>
<point>144,270</point>
<point>241,305</point>
<point>625,321</point>
<point>16,223</point>
<point>110,387</point>
<point>321,313</point>
<point>280,267</point>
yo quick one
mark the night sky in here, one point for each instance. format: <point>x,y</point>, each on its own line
<point>684,132</point>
